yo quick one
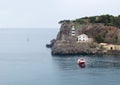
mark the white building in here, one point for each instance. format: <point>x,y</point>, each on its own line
<point>73,31</point>
<point>83,38</point>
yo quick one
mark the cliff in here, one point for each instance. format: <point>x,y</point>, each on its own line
<point>99,32</point>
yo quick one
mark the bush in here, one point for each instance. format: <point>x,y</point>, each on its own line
<point>99,39</point>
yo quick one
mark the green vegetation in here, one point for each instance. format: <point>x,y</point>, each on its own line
<point>99,39</point>
<point>64,21</point>
<point>108,20</point>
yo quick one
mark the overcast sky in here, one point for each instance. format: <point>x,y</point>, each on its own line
<point>47,13</point>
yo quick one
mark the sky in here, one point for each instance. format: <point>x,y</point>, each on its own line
<point>47,13</point>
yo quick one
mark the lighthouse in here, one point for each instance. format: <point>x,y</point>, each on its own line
<point>73,31</point>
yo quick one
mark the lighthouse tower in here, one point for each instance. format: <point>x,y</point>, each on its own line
<point>73,31</point>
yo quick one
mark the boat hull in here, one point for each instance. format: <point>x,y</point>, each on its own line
<point>81,62</point>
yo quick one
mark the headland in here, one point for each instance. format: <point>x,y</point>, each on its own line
<point>88,35</point>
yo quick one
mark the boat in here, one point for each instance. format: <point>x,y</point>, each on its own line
<point>81,62</point>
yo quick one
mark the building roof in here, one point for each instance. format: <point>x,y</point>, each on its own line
<point>83,35</point>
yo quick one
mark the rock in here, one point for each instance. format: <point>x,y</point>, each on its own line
<point>51,43</point>
<point>48,45</point>
<point>68,48</point>
<point>67,44</point>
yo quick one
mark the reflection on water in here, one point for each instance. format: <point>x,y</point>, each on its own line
<point>24,60</point>
<point>104,61</point>
<point>100,70</point>
<point>66,63</point>
<point>92,61</point>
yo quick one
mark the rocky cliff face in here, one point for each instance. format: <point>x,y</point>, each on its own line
<point>109,34</point>
<point>67,44</point>
<point>74,48</point>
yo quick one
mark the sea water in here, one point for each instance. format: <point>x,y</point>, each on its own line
<point>24,60</point>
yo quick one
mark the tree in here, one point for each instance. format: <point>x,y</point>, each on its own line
<point>99,39</point>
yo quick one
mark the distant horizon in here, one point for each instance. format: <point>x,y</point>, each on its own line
<point>47,14</point>
<point>50,27</point>
<point>32,28</point>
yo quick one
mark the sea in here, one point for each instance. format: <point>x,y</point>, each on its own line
<point>25,60</point>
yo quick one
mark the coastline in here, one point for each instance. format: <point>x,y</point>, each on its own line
<point>86,38</point>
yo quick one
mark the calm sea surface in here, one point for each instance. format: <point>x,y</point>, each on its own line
<point>24,60</point>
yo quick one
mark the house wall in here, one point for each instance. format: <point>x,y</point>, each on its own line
<point>90,40</point>
<point>82,38</point>
<point>110,46</point>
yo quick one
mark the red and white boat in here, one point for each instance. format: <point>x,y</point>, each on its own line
<point>81,62</point>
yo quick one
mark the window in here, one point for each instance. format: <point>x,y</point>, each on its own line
<point>111,48</point>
